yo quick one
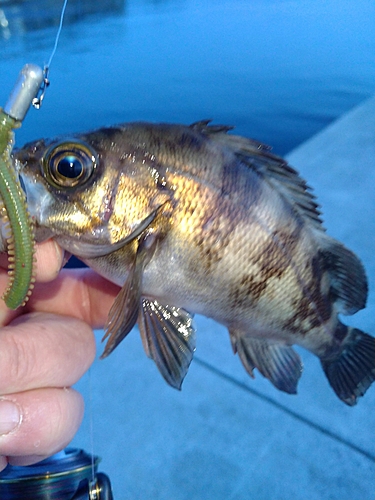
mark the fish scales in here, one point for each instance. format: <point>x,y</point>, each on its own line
<point>193,218</point>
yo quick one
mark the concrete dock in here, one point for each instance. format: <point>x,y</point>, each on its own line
<point>226,436</point>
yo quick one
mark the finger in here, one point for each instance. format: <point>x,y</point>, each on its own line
<point>79,292</point>
<point>6,315</point>
<point>44,350</point>
<point>48,420</point>
<point>4,260</point>
<point>49,258</point>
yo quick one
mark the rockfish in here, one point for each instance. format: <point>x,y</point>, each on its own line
<point>193,219</point>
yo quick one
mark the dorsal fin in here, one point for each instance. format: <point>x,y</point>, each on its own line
<point>272,168</point>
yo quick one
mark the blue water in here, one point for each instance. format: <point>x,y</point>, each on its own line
<point>277,70</point>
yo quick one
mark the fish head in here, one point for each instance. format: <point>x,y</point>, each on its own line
<point>93,193</point>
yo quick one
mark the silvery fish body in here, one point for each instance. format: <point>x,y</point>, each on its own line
<point>192,219</point>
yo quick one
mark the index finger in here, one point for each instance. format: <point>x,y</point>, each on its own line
<point>79,293</point>
<point>49,260</point>
<point>41,350</point>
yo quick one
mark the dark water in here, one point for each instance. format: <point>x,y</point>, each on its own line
<point>277,70</point>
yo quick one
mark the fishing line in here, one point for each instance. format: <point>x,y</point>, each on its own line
<point>38,104</point>
<point>58,33</point>
<point>37,101</point>
<point>91,424</point>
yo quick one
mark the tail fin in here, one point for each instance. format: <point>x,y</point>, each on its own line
<point>353,371</point>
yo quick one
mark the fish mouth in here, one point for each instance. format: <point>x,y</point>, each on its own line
<point>37,197</point>
<point>17,166</point>
<point>38,201</point>
<point>22,184</point>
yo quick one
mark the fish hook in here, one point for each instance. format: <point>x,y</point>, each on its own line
<point>38,99</point>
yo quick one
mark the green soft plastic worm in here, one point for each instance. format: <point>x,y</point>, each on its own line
<point>20,240</point>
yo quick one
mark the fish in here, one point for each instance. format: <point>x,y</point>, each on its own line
<point>193,219</point>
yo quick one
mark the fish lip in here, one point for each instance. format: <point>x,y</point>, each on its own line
<point>38,198</point>
<point>17,166</point>
<point>22,184</point>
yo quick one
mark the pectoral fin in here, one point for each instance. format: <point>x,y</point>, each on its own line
<point>276,361</point>
<point>124,311</point>
<point>168,338</point>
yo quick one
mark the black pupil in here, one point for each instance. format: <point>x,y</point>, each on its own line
<point>70,166</point>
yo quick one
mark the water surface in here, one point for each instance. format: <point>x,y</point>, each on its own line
<point>277,70</point>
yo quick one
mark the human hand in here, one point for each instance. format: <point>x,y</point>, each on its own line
<point>45,348</point>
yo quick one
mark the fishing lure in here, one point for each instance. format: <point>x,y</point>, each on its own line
<point>20,240</point>
<point>29,89</point>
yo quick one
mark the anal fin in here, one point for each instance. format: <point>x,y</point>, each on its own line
<point>276,361</point>
<point>352,372</point>
<point>168,338</point>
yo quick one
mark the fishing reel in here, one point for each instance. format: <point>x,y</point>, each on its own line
<point>68,475</point>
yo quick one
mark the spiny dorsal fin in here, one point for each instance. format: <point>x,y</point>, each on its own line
<point>272,168</point>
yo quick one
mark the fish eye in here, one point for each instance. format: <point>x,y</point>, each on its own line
<point>69,163</point>
<point>69,167</point>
